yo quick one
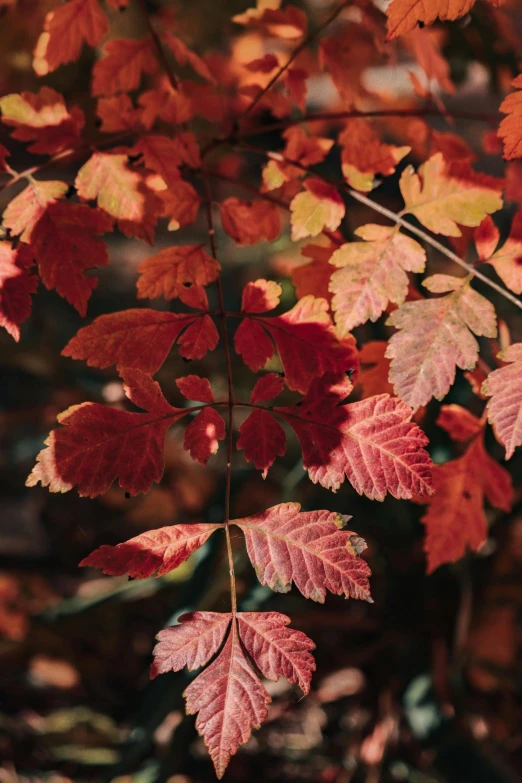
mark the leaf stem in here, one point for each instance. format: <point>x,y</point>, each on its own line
<point>222,314</point>
<point>296,52</point>
<point>398,219</point>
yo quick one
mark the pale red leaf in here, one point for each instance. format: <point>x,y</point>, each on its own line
<point>153,553</point>
<point>455,519</point>
<point>504,386</point>
<point>404,15</point>
<point>203,434</point>
<point>192,643</point>
<point>121,192</point>
<point>487,237</point>
<point>249,222</point>
<point>510,130</point>
<point>441,196</point>
<point>276,650</point>
<point>318,207</point>
<point>169,271</point>
<point>66,29</point>
<point>25,210</point>
<point>229,700</point>
<point>435,337</point>
<point>65,243</point>
<point>97,443</point>
<point>373,443</point>
<point>263,439</point>
<point>122,65</point>
<point>459,423</point>
<point>43,119</point>
<point>372,274</point>
<point>267,387</point>
<point>136,338</point>
<point>374,369</point>
<point>195,388</point>
<point>307,548</point>
<point>306,342</point>
<point>16,286</point>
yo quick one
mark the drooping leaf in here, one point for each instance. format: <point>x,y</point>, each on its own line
<point>277,651</point>
<point>459,423</point>
<point>192,643</point>
<point>435,337</point>
<point>138,338</point>
<point>305,338</point>
<point>195,388</point>
<point>203,434</point>
<point>510,129</point>
<point>404,15</point>
<point>229,700</point>
<point>363,155</point>
<point>16,286</point>
<point>98,444</point>
<point>504,386</point>
<point>307,548</point>
<point>65,243</point>
<point>121,192</point>
<point>43,119</point>
<point>455,519</point>
<point>372,443</point>
<point>66,29</point>
<point>372,273</point>
<point>171,270</point>
<point>249,222</point>
<point>25,210</point>
<point>153,553</point>
<point>318,207</point>
<point>263,439</point>
<point>441,196</point>
<point>123,63</point>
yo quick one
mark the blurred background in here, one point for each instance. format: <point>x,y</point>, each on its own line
<point>423,686</point>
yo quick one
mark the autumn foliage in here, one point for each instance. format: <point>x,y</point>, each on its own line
<point>172,122</point>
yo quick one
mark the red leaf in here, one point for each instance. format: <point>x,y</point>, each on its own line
<point>504,386</point>
<point>202,435</point>
<point>374,369</point>
<point>248,222</point>
<point>455,519</point>
<point>192,643</point>
<point>161,154</point>
<point>200,337</point>
<point>305,338</point>
<point>66,29</point>
<point>308,548</point>
<point>42,118</point>
<point>166,273</point>
<point>4,154</point>
<point>181,203</point>
<point>25,210</point>
<point>459,423</point>
<point>123,63</point>
<point>153,553</point>
<point>138,338</point>
<point>121,192</point>
<point>267,387</point>
<point>276,650</point>
<point>117,114</point>
<point>230,701</point>
<point>99,444</point>
<point>262,439</point>
<point>195,388</point>
<point>16,286</point>
<point>372,443</point>
<point>64,244</point>
<point>260,296</point>
<point>314,278</point>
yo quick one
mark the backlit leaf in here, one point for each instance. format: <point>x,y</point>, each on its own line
<point>363,155</point>
<point>43,119</point>
<point>318,207</point>
<point>510,129</point>
<point>263,439</point>
<point>203,434</point>
<point>25,210</point>
<point>192,643</point>
<point>404,15</point>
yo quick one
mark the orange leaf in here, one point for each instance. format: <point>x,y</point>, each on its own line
<point>26,209</point>
<point>404,15</point>
<point>375,369</point>
<point>363,155</point>
<point>318,207</point>
<point>510,130</point>
<point>459,423</point>
<point>171,270</point>
<point>66,29</point>
<point>248,222</point>
<point>123,63</point>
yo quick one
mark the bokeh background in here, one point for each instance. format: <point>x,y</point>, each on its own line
<point>423,686</point>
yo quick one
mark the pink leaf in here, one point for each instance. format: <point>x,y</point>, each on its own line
<point>192,643</point>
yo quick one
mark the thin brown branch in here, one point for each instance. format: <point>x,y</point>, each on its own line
<point>297,51</point>
<point>395,218</point>
<point>230,382</point>
<point>487,117</point>
<point>159,46</point>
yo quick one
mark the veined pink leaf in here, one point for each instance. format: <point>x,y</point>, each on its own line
<point>504,386</point>
<point>192,643</point>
